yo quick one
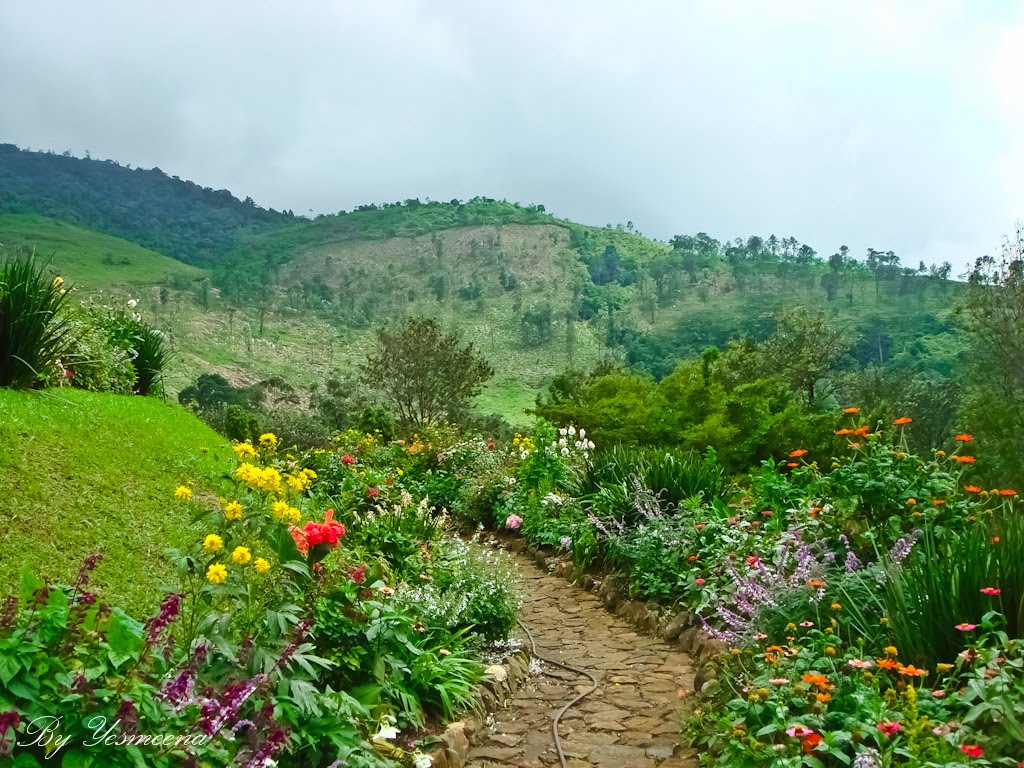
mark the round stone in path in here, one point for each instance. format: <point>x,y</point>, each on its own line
<point>633,718</point>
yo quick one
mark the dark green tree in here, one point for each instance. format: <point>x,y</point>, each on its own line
<point>426,375</point>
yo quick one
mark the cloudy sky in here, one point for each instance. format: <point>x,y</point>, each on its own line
<point>893,124</point>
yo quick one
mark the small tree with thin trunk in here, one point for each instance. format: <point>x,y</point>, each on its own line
<point>427,375</point>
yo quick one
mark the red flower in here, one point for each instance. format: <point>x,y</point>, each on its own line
<point>810,742</point>
<point>357,573</point>
<point>972,750</point>
<point>346,459</point>
<point>888,727</point>
<point>373,492</point>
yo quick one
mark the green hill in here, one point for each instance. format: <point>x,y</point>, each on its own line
<point>83,472</point>
<point>301,298</point>
<point>96,261</point>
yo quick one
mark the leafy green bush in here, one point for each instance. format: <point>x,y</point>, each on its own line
<point>34,330</point>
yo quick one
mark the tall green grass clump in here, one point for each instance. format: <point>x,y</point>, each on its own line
<point>34,331</point>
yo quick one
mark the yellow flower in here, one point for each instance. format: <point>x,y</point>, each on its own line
<point>891,650</point>
<point>261,565</point>
<point>298,483</point>
<point>246,472</point>
<point>216,573</point>
<point>268,440</point>
<point>241,556</point>
<point>183,492</point>
<point>269,479</point>
<point>244,450</point>
<point>58,281</point>
<point>213,543</point>
<point>233,511</point>
<point>836,606</point>
<point>399,471</point>
<point>285,513</point>
<point>309,473</point>
<point>830,651</point>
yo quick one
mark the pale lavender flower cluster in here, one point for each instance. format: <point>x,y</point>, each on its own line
<point>904,546</point>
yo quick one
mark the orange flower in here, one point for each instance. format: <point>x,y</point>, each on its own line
<point>902,420</point>
<point>816,584</point>
<point>851,410</point>
<point>911,671</point>
<point>792,464</point>
<point>1007,492</point>
<point>886,663</point>
<point>861,431</point>
<point>963,459</point>
<point>972,488</point>
<point>823,697</point>
<point>844,431</point>
<point>938,502</point>
<point>797,453</point>
<point>819,680</point>
<point>964,438</point>
<point>995,539</point>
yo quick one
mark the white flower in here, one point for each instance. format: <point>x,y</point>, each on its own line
<point>562,431</point>
<point>590,444</point>
<point>386,732</point>
<point>565,451</point>
<point>132,303</point>
<point>572,431</point>
<point>583,433</point>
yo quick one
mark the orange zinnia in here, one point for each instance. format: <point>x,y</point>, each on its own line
<point>964,438</point>
<point>963,459</point>
<point>816,584</point>
<point>902,420</point>
<point>911,671</point>
<point>851,410</point>
<point>1007,492</point>
<point>972,488</point>
<point>861,431</point>
<point>819,680</point>
<point>844,431</point>
<point>797,453</point>
<point>886,663</point>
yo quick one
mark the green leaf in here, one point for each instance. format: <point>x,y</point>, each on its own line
<point>124,636</point>
<point>30,583</point>
<point>25,760</point>
<point>9,667</point>
<point>76,758</point>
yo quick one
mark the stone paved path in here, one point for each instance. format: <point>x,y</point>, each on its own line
<point>631,721</point>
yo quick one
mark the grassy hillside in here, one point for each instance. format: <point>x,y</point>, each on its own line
<point>96,261</point>
<point>83,472</point>
<point>301,299</point>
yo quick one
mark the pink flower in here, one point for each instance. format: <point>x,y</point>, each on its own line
<point>760,636</point>
<point>767,512</point>
<point>989,591</point>
<point>779,681</point>
<point>806,623</point>
<point>513,521</point>
<point>965,627</point>
<point>753,560</point>
<point>939,694</point>
<point>698,582</point>
<point>861,663</point>
<point>888,727</point>
<point>798,731</point>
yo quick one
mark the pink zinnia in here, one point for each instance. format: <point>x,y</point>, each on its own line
<point>888,727</point>
<point>798,731</point>
<point>513,521</point>
<point>989,591</point>
<point>965,627</point>
<point>698,582</point>
<point>860,664</point>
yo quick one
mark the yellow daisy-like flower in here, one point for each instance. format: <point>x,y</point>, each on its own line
<point>213,543</point>
<point>309,473</point>
<point>241,556</point>
<point>216,573</point>
<point>247,472</point>
<point>285,513</point>
<point>261,565</point>
<point>269,479</point>
<point>268,440</point>
<point>244,450</point>
<point>233,511</point>
<point>298,483</point>
<point>183,492</point>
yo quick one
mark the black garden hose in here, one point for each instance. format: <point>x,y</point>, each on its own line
<point>563,710</point>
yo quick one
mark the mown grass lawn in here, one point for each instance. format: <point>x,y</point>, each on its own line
<point>82,472</point>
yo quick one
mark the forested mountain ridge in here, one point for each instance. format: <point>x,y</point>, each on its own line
<point>176,217</point>
<point>300,298</point>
